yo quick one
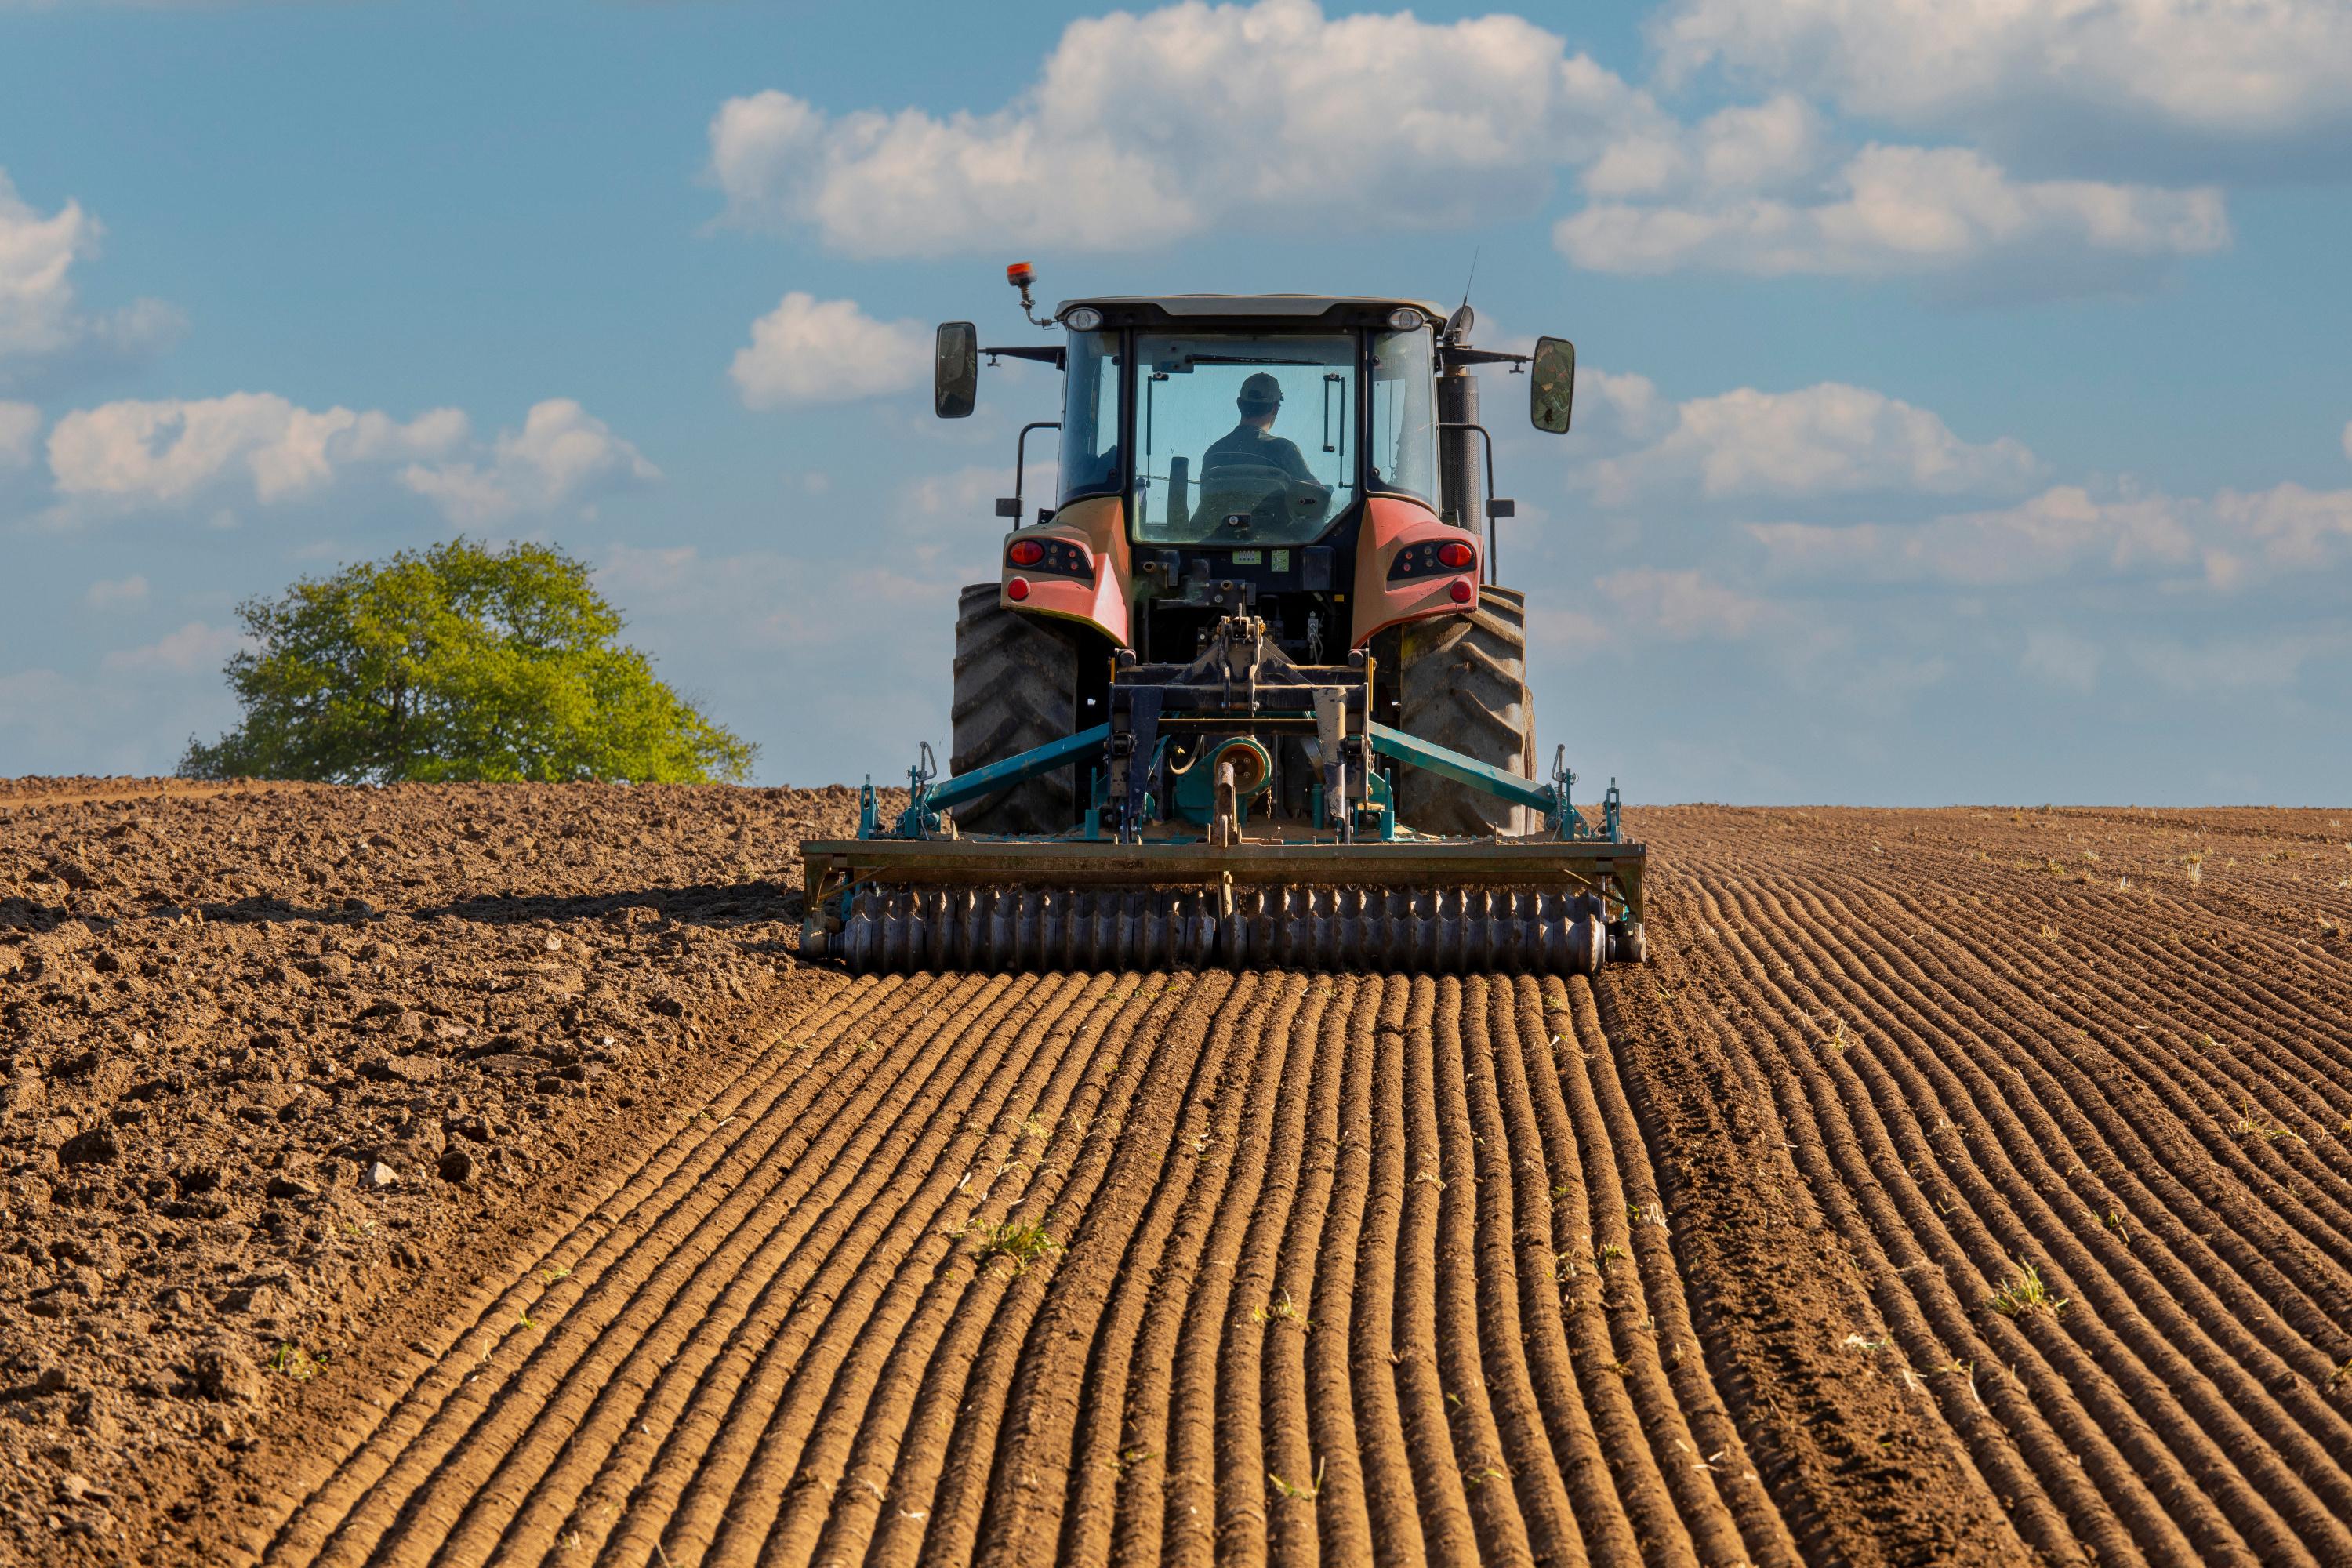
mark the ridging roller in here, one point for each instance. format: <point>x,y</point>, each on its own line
<point>1499,929</point>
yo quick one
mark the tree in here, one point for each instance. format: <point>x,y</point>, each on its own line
<point>462,662</point>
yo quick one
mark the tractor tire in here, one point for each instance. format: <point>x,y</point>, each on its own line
<point>1016,687</point>
<point>1462,684</point>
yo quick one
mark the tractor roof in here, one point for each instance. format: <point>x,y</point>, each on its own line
<point>1320,310</point>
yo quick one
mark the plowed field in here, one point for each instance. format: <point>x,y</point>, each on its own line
<point>1952,1186</point>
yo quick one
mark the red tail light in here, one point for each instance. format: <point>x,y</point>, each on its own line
<point>1025,553</point>
<point>1462,592</point>
<point>1456,556</point>
<point>1017,590</point>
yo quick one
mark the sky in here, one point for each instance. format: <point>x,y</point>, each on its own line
<point>1964,409</point>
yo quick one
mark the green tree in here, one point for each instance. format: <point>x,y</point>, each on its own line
<point>460,662</point>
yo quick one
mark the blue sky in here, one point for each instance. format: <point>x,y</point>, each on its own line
<point>1966,411</point>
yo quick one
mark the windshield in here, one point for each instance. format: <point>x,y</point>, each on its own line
<point>1242,438</point>
<point>1090,416</point>
<point>1404,422</point>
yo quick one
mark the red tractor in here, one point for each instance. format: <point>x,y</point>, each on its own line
<point>1245,690</point>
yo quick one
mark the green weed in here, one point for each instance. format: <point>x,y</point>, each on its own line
<point>1024,1243</point>
<point>1282,1310</point>
<point>292,1361</point>
<point>2025,1295</point>
<point>1306,1491</point>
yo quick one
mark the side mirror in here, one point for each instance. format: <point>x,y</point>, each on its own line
<point>1551,389</point>
<point>955,374</point>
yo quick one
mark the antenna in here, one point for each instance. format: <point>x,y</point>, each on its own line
<point>1458,325</point>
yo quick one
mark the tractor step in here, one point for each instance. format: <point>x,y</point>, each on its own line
<point>1388,930</point>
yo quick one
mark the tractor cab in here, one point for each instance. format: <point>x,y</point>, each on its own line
<point>1303,459</point>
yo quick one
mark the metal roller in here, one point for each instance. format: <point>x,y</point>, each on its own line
<point>1444,931</point>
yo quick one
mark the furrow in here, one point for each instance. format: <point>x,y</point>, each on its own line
<point>1389,1498</point>
<point>1283,1414</point>
<point>1061,1377</point>
<point>2145,1370</point>
<point>367,1447</point>
<point>1439,1479</point>
<point>1157,1509</point>
<point>695,1478</point>
<point>884,1399</point>
<point>558,1324</point>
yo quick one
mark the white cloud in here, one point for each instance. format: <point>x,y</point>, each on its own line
<point>562,455</point>
<point>20,423</point>
<point>170,450</point>
<point>1912,211</point>
<point>2193,83</point>
<point>194,646</point>
<point>1825,440</point>
<point>808,350</point>
<point>108,593</point>
<point>2217,542</point>
<point>1140,128</point>
<point>1747,150</point>
<point>39,315</point>
<point>185,453</point>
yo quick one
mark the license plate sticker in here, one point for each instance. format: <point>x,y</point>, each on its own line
<point>1282,560</point>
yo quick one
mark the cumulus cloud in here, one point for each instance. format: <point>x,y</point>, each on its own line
<point>2217,542</point>
<point>1910,211</point>
<point>2187,85</point>
<point>1144,128</point>
<point>562,455</point>
<point>808,350</point>
<point>40,316</point>
<point>160,452</point>
<point>20,426</point>
<point>148,455</point>
<point>1826,440</point>
<point>1745,150</point>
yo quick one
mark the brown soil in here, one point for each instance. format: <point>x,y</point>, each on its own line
<point>1702,1263</point>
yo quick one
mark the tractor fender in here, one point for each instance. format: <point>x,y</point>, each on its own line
<point>1391,527</point>
<point>1099,525</point>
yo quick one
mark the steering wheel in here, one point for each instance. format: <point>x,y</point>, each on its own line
<point>1266,496</point>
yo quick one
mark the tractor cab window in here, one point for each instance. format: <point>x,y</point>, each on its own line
<point>1242,438</point>
<point>1090,416</point>
<point>1405,417</point>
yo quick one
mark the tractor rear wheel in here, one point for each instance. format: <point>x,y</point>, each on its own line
<point>1462,684</point>
<point>1016,687</point>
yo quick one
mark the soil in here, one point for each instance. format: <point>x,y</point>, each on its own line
<point>1956,1187</point>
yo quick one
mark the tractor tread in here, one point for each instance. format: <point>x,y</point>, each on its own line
<point>1463,685</point>
<point>1016,680</point>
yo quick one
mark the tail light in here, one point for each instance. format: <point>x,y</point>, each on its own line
<point>1017,589</point>
<point>1051,557</point>
<point>1455,555</point>
<point>1461,591</point>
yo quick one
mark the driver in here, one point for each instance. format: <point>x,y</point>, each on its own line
<point>1253,441</point>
